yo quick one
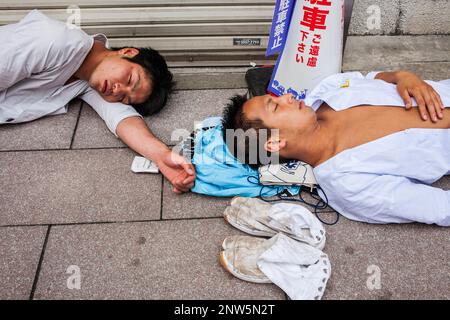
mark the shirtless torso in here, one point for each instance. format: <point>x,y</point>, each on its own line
<point>361,124</point>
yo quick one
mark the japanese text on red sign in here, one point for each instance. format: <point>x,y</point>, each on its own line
<point>313,21</point>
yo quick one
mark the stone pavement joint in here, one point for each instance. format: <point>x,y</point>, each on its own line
<point>76,126</point>
<point>41,258</point>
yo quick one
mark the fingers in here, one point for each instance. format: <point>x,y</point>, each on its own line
<point>183,182</point>
<point>406,98</point>
<point>438,100</point>
<point>183,163</point>
<point>176,190</point>
<point>437,105</point>
<point>428,101</point>
<point>189,180</point>
<point>181,187</point>
<point>426,104</point>
<point>432,111</point>
<point>189,168</point>
<point>421,106</point>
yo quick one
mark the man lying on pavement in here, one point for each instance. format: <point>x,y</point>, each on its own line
<point>373,159</point>
<point>46,63</point>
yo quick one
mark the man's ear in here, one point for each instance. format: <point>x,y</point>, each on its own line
<point>129,52</point>
<point>275,144</point>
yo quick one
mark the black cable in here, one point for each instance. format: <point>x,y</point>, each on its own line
<point>320,204</point>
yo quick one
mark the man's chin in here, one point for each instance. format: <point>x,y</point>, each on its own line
<point>95,85</point>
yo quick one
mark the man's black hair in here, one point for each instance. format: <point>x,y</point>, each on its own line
<point>234,119</point>
<point>162,80</point>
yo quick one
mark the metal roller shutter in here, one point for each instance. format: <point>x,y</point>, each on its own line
<point>188,32</point>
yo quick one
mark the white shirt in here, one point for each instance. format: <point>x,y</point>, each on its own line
<point>38,56</point>
<point>386,180</point>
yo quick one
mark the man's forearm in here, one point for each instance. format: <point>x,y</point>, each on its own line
<point>134,132</point>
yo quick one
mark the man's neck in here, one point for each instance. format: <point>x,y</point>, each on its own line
<point>316,145</point>
<point>95,56</point>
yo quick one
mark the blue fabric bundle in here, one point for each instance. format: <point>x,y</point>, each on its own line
<point>219,173</point>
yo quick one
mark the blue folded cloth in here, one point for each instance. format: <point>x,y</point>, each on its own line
<point>219,173</point>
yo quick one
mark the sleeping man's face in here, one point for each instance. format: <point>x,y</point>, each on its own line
<point>284,113</point>
<point>120,80</point>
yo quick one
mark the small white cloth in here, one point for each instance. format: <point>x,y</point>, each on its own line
<point>297,268</point>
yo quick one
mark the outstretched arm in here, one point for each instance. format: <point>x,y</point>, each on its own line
<point>410,85</point>
<point>123,121</point>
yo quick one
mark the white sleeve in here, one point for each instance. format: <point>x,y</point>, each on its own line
<point>11,77</point>
<point>371,75</point>
<point>12,70</point>
<point>111,113</point>
<point>392,199</point>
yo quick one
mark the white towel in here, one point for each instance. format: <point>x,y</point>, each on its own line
<point>299,269</point>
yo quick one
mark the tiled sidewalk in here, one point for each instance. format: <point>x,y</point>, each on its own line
<point>69,198</point>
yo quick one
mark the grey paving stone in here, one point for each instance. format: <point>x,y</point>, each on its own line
<point>20,250</point>
<point>92,131</point>
<point>152,260</point>
<point>50,187</point>
<point>425,17</point>
<point>413,261</point>
<point>364,10</point>
<point>54,132</point>
<point>183,109</point>
<point>191,205</point>
<point>443,183</point>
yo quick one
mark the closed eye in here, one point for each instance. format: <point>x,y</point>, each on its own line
<point>274,106</point>
<point>271,106</point>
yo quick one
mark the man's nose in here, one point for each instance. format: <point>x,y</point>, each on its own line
<point>120,89</point>
<point>115,88</point>
<point>289,98</point>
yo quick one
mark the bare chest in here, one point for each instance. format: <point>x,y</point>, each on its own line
<point>362,124</point>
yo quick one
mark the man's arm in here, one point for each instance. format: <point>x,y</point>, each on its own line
<point>123,121</point>
<point>410,85</point>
